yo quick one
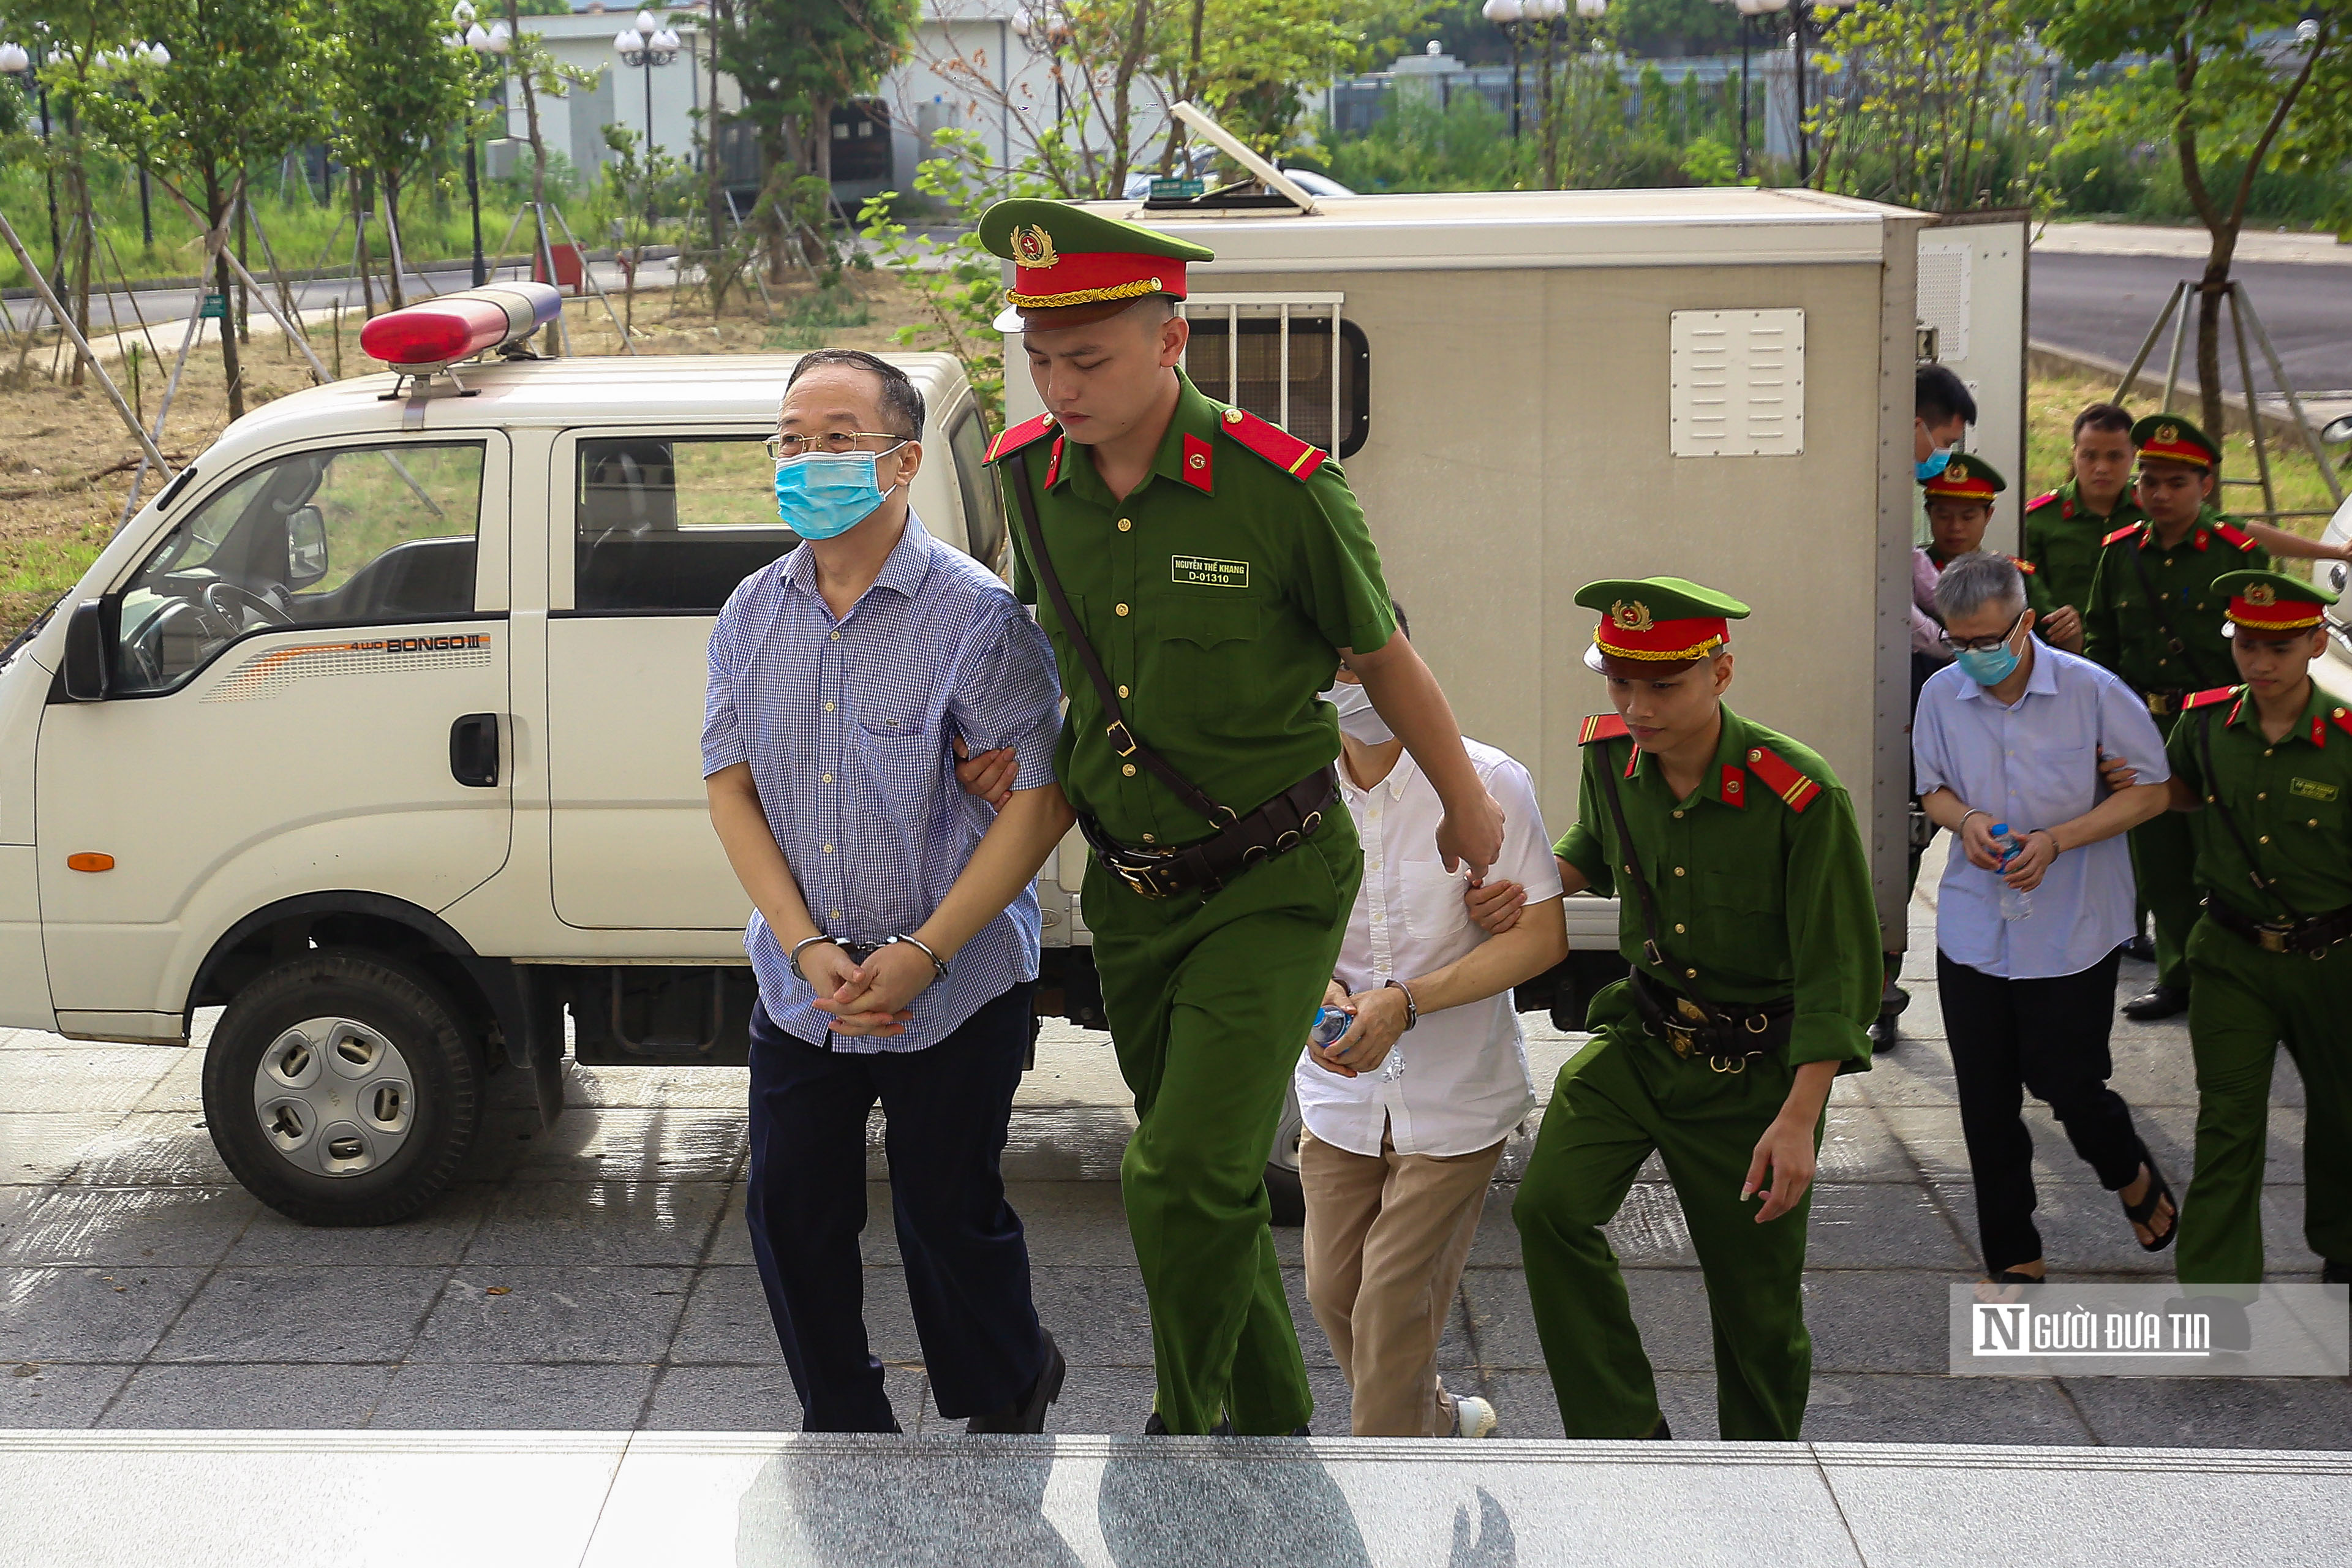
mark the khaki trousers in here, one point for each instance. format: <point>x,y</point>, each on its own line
<point>1387,1238</point>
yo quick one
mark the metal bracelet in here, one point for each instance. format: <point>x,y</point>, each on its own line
<point>793,957</point>
<point>938,965</point>
<point>1412,1007</point>
<point>1972,810</point>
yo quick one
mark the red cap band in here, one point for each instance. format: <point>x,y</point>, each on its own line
<point>1045,279</point>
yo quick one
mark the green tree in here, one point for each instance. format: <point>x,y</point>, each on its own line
<point>794,60</point>
<point>2236,87</point>
<point>238,91</point>
<point>1927,103</point>
<point>396,91</point>
<point>84,39</point>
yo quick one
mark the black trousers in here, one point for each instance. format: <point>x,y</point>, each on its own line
<point>967,1263</point>
<point>2050,1037</point>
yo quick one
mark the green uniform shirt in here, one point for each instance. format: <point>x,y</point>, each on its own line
<point>2291,799</point>
<point>2061,540</point>
<point>2119,624</point>
<point>1764,900</point>
<point>1216,595</point>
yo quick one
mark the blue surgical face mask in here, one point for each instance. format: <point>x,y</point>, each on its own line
<point>821,495</point>
<point>1938,462</point>
<point>1986,666</point>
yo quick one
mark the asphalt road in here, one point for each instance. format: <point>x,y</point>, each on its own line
<point>2104,305</point>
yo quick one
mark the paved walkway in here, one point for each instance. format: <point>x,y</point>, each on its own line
<point>597,1275</point>
<point>2189,242</point>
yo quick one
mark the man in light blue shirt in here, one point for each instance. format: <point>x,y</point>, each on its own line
<point>2008,741</point>
<point>894,930</point>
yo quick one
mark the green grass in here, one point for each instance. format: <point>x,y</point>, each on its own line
<point>804,323</point>
<point>45,568</point>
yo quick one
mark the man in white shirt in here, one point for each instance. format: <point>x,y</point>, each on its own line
<point>1408,1112</point>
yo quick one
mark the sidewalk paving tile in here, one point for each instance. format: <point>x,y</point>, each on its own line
<point>504,1396</point>
<point>58,1393</point>
<point>269,1396</point>
<point>91,1314</point>
<point>598,1222</point>
<point>303,1314</point>
<point>162,1226</point>
<point>501,1312</point>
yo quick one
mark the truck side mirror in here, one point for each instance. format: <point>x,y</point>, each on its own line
<point>306,547</point>
<point>86,667</point>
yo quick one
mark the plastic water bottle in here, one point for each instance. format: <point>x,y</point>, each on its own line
<point>1329,1025</point>
<point>2016,903</point>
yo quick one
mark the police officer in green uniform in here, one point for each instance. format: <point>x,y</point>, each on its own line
<point>2264,771</point>
<point>2156,619</point>
<point>1745,910</point>
<point>1201,573</point>
<point>2064,526</point>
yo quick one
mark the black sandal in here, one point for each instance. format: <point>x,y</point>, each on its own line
<point>2158,1191</point>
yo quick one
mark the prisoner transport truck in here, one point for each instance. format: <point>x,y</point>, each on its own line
<point>377,727</point>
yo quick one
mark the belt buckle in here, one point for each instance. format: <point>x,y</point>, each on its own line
<point>2271,938</point>
<point>1684,1041</point>
<point>1117,732</point>
<point>1141,881</point>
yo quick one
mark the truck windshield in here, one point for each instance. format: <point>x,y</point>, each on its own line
<point>345,536</point>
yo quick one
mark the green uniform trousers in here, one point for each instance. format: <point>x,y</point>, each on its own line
<point>2243,1002</point>
<point>2164,860</point>
<point>1623,1095</point>
<point>1209,997</point>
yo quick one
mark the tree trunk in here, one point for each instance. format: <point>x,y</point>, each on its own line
<point>551,341</point>
<point>232,370</point>
<point>84,262</point>
<point>244,300</point>
<point>362,198</point>
<point>715,196</point>
<point>779,162</point>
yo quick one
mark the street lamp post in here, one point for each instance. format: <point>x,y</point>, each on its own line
<point>486,43</point>
<point>1805,27</point>
<point>643,48</point>
<point>1544,24</point>
<point>15,59</point>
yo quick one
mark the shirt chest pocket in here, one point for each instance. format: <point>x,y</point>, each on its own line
<point>1740,893</point>
<point>1207,650</point>
<point>1433,910</point>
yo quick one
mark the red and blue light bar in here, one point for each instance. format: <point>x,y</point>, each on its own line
<point>420,340</point>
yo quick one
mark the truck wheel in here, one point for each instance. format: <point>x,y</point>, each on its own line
<point>339,1088</point>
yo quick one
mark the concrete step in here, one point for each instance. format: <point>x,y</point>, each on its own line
<point>764,1500</point>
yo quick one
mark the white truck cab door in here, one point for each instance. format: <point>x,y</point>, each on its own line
<point>307,692</point>
<point>651,532</point>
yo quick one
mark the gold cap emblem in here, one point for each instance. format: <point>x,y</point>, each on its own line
<point>1631,615</point>
<point>2261,593</point>
<point>1032,247</point>
<point>2167,431</point>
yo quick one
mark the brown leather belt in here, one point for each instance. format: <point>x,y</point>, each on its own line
<point>1277,827</point>
<point>1726,1040</point>
<point>2313,938</point>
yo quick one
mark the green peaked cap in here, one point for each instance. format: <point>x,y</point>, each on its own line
<point>1074,231</point>
<point>1665,598</point>
<point>2170,437</point>
<point>1966,476</point>
<point>2284,588</point>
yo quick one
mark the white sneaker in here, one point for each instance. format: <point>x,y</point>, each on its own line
<point>1473,1416</point>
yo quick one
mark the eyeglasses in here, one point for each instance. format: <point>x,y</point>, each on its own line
<point>1981,645</point>
<point>836,441</point>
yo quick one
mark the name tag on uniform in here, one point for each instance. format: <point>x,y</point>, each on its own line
<point>1209,572</point>
<point>2312,790</point>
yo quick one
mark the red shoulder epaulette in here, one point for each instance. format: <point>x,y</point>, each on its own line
<point>2232,534</point>
<point>1026,433</point>
<point>1602,727</point>
<point>1782,780</point>
<point>2043,500</point>
<point>2126,531</point>
<point>2207,698</point>
<point>2022,565</point>
<point>1286,451</point>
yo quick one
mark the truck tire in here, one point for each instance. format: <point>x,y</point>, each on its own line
<point>340,1090</point>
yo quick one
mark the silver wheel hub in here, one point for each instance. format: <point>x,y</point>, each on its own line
<point>334,1097</point>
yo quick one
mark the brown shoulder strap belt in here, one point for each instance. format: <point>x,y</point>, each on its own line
<point>1123,740</point>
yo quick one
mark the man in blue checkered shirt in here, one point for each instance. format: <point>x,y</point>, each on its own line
<point>894,928</point>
